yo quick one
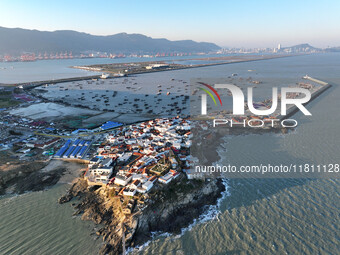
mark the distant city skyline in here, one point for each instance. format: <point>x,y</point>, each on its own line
<point>249,24</point>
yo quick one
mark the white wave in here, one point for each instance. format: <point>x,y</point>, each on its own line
<point>138,248</point>
<point>211,213</point>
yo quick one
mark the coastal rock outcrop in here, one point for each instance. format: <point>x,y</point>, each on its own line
<point>168,209</point>
<point>171,215</point>
<point>29,177</point>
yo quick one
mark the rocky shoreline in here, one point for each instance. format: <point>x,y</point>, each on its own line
<point>29,177</point>
<point>21,177</point>
<point>169,209</point>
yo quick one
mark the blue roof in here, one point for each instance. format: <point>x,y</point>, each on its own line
<point>78,130</point>
<point>82,151</point>
<point>61,151</point>
<point>76,142</point>
<point>74,153</point>
<point>68,152</point>
<point>110,124</point>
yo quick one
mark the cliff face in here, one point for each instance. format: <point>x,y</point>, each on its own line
<point>98,205</point>
<point>172,214</point>
<point>169,209</point>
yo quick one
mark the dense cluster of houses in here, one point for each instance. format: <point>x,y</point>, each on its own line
<point>133,158</point>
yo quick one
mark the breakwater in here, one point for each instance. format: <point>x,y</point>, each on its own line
<point>30,85</point>
<point>293,109</point>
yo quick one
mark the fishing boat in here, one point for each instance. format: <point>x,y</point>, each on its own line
<point>104,76</point>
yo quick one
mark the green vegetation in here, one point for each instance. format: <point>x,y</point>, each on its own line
<point>6,99</point>
<point>176,188</point>
<point>161,168</point>
<point>185,186</point>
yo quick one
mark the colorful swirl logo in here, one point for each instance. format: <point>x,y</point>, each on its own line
<point>209,93</point>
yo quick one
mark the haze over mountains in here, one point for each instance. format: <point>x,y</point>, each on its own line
<point>305,47</point>
<point>17,41</point>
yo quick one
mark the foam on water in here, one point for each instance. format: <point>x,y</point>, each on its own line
<point>210,213</point>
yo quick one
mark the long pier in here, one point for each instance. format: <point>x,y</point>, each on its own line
<point>324,86</point>
<point>33,84</point>
<point>315,80</point>
<point>29,85</point>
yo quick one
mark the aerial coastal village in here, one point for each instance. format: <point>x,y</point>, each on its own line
<point>132,159</point>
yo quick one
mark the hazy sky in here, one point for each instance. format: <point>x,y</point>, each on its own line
<point>231,23</point>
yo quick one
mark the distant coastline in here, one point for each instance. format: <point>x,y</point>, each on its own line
<point>228,60</point>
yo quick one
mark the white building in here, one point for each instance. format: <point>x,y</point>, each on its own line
<point>135,184</point>
<point>168,177</point>
<point>125,157</point>
<point>94,161</point>
<point>147,186</point>
<point>101,174</point>
<point>129,192</point>
<point>106,162</point>
<point>122,180</point>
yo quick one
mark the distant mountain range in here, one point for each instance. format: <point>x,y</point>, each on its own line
<point>305,47</point>
<point>300,47</point>
<point>17,41</point>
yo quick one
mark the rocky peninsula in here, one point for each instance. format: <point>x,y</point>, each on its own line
<point>124,224</point>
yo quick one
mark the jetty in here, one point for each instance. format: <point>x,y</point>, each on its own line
<point>30,85</point>
<point>239,121</point>
<point>317,92</point>
<point>146,67</point>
